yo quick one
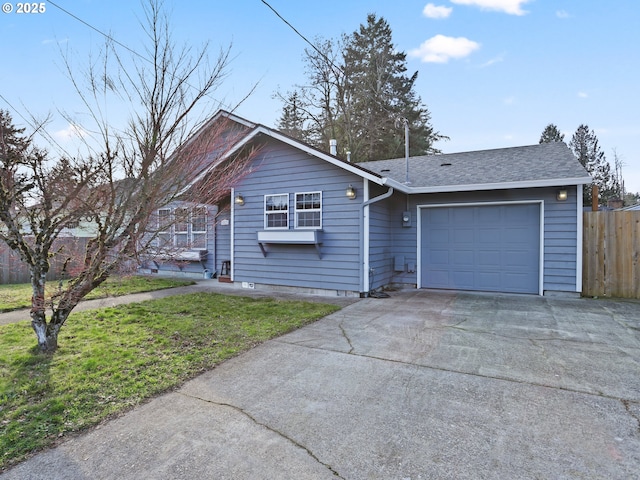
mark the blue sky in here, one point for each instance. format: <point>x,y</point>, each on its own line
<point>493,73</point>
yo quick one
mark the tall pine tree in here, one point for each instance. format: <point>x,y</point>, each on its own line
<point>551,134</point>
<point>382,94</point>
<point>360,94</point>
<point>584,144</point>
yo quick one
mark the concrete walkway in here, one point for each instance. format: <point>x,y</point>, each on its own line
<point>200,286</point>
<point>422,385</point>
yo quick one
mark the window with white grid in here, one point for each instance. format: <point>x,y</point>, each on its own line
<point>309,210</point>
<point>276,211</point>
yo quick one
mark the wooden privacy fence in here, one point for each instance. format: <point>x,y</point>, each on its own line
<point>12,270</point>
<point>611,254</point>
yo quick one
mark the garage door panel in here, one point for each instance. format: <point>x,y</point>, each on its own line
<point>440,217</point>
<point>521,213</point>
<point>462,235</point>
<point>484,247</point>
<point>440,278</point>
<point>519,282</point>
<point>516,258</point>
<point>461,216</point>
<point>488,235</point>
<point>464,258</point>
<point>489,258</point>
<point>439,257</point>
<point>515,235</point>
<point>487,215</point>
<point>489,281</point>
<point>463,280</point>
<point>438,235</point>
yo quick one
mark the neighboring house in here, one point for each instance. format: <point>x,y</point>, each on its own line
<point>630,208</point>
<point>505,220</point>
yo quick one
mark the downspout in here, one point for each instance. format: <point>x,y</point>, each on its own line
<point>365,217</point>
<point>233,235</point>
<point>378,198</point>
<point>580,239</point>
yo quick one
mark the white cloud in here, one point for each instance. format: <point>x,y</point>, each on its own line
<point>440,49</point>
<point>562,14</point>
<point>512,7</point>
<point>583,94</point>
<point>436,11</point>
<point>72,131</point>
<point>509,100</point>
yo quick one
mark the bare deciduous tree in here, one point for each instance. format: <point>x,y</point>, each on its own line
<point>130,174</point>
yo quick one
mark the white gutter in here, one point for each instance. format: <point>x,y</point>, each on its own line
<point>378,198</point>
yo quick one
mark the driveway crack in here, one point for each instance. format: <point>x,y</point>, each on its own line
<point>346,337</point>
<point>268,427</point>
<point>627,407</point>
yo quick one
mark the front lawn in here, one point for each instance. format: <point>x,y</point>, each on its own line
<point>112,359</point>
<point>14,297</point>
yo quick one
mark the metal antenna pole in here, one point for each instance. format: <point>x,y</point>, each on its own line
<point>406,149</point>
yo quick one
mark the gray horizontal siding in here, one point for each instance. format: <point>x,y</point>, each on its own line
<point>380,241</point>
<point>560,242</point>
<point>280,169</point>
<point>222,240</point>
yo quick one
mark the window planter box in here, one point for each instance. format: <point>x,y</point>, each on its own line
<point>290,237</point>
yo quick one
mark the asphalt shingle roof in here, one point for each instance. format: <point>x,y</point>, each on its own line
<point>533,163</point>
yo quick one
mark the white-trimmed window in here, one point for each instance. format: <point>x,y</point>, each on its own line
<point>308,210</point>
<point>199,228</point>
<point>183,228</point>
<point>164,228</point>
<point>276,211</point>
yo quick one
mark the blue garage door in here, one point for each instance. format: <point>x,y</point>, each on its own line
<point>494,248</point>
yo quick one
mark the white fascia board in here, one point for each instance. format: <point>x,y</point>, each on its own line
<point>555,182</point>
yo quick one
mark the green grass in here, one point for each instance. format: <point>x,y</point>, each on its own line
<point>111,359</point>
<point>14,297</point>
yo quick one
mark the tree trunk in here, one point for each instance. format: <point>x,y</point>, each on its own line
<point>47,334</point>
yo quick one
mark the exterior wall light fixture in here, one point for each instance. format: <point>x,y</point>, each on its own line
<point>562,195</point>
<point>351,192</point>
<point>239,200</point>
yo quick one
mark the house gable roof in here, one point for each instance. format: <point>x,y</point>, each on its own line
<point>542,165</point>
<point>260,131</point>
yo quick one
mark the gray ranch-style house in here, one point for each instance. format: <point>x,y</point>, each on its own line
<point>504,220</point>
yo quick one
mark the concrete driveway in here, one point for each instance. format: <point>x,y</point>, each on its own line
<point>422,385</point>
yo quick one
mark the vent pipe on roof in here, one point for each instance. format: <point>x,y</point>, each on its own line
<point>349,157</point>
<point>333,146</point>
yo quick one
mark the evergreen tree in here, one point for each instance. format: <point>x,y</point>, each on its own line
<point>382,94</point>
<point>293,120</point>
<point>359,94</point>
<point>551,134</point>
<point>584,144</point>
